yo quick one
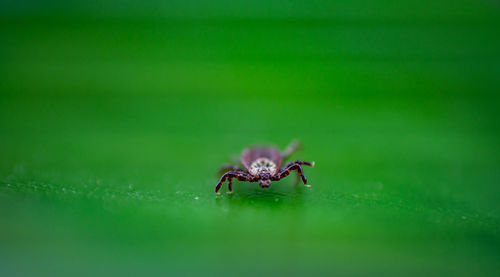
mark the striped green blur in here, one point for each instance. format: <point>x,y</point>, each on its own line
<point>115,116</point>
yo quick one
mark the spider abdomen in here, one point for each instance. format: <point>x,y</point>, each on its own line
<point>259,160</point>
<point>262,165</point>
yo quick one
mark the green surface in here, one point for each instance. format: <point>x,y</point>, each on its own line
<point>115,118</point>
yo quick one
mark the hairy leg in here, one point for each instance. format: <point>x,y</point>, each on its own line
<point>293,166</point>
<point>299,170</point>
<point>292,147</point>
<point>311,164</point>
<point>240,175</point>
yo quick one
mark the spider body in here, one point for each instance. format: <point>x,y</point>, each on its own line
<point>263,165</point>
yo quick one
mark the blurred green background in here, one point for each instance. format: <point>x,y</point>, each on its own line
<point>115,116</point>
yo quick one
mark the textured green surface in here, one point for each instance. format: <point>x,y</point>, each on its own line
<point>115,118</point>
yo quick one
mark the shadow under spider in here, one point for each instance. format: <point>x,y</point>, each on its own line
<point>251,194</point>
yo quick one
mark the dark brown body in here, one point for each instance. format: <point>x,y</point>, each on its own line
<point>263,164</point>
<point>250,155</point>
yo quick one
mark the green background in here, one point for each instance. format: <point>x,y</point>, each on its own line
<point>115,116</point>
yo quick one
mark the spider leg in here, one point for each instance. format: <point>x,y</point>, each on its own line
<point>291,148</point>
<point>240,175</point>
<point>299,170</point>
<point>228,167</point>
<point>230,185</point>
<point>285,171</point>
<point>293,166</point>
<point>311,164</point>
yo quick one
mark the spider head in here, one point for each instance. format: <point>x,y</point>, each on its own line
<point>265,183</point>
<point>263,169</point>
<point>264,177</point>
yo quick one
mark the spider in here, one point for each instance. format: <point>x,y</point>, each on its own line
<point>263,164</point>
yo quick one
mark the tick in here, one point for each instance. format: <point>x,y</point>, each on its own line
<point>263,164</point>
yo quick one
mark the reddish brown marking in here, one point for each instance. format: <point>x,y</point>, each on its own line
<point>249,155</point>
